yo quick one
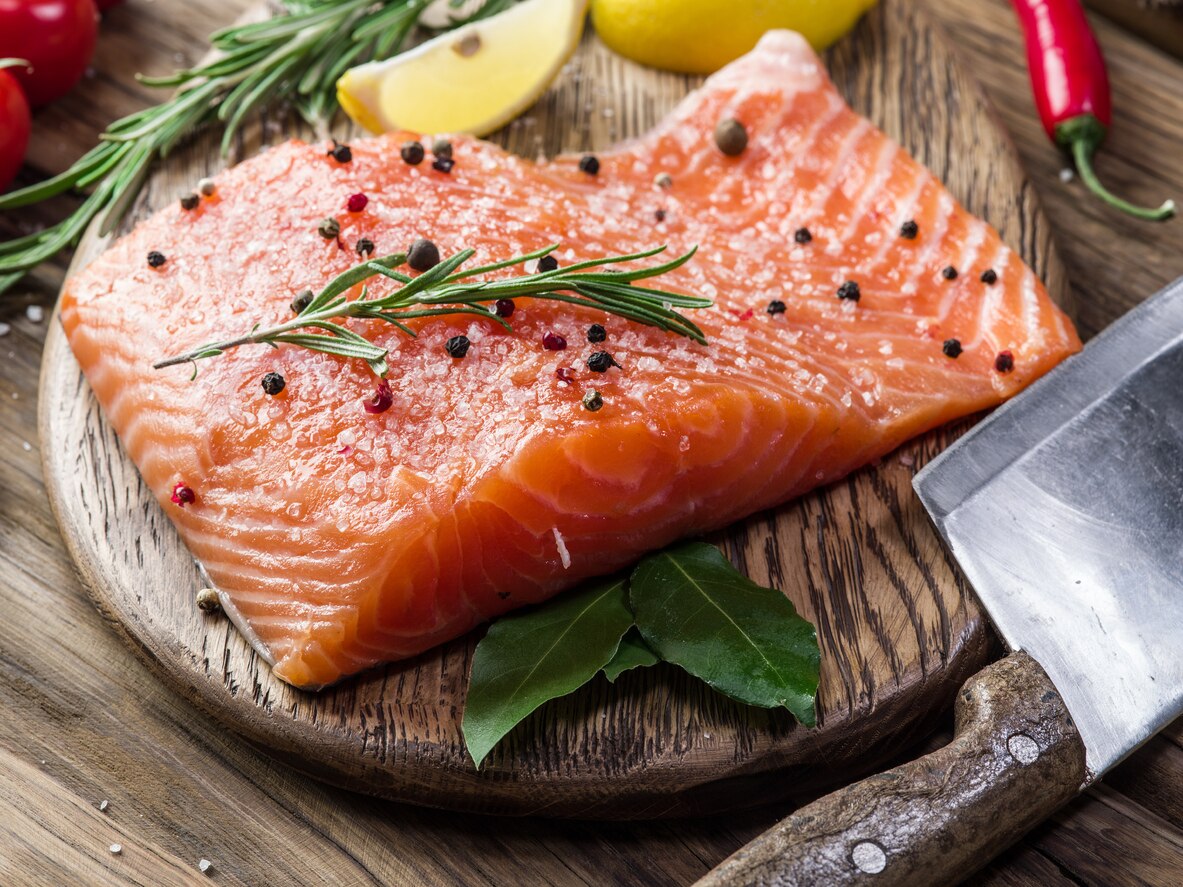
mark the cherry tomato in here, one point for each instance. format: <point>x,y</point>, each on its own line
<point>56,36</point>
<point>14,126</point>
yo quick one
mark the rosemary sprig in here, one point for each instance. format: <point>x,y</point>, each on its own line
<point>446,289</point>
<point>298,57</point>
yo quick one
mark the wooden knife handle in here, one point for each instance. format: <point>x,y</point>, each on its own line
<point>1016,756</point>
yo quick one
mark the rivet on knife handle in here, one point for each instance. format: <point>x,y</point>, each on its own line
<point>1016,756</point>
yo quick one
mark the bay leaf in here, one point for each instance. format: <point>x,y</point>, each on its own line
<point>632,653</point>
<point>530,657</point>
<point>694,609</point>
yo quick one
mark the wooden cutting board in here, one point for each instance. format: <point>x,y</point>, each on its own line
<point>899,629</point>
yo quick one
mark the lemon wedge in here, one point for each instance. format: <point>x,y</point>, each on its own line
<point>700,36</point>
<point>473,79</point>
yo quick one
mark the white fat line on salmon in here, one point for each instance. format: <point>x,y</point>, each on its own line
<point>561,545</point>
<point>964,262</point>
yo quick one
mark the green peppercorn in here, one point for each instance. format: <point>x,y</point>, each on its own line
<point>442,148</point>
<point>329,228</point>
<point>592,401</point>
<point>365,246</point>
<point>207,187</point>
<point>302,301</point>
<point>208,602</point>
<point>731,137</point>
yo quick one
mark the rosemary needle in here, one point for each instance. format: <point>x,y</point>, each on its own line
<point>445,290</point>
<point>297,57</point>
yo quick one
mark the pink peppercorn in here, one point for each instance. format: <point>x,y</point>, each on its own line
<point>565,374</point>
<point>382,399</point>
<point>553,342</point>
<point>183,495</point>
<point>357,202</point>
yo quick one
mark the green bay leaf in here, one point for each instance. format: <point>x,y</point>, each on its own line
<point>694,609</point>
<point>632,653</point>
<point>531,657</point>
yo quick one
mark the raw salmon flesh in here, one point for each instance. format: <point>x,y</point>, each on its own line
<point>340,539</point>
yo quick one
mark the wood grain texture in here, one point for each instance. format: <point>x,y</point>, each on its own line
<point>899,631</point>
<point>1016,757</point>
<point>86,715</point>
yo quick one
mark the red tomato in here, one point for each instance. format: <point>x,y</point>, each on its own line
<point>56,36</point>
<point>14,127</point>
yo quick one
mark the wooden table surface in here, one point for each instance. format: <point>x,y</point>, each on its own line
<point>82,720</point>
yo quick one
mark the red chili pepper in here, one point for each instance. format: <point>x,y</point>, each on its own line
<point>1071,88</point>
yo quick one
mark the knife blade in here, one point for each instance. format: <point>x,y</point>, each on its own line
<point>1064,509</point>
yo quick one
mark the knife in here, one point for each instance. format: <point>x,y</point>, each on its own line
<point>1064,509</point>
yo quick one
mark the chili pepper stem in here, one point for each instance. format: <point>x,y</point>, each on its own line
<point>1083,155</point>
<point>1082,135</point>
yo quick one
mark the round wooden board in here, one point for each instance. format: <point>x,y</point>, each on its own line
<point>899,629</point>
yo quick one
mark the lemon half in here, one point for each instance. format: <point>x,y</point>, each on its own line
<point>473,79</point>
<point>701,36</point>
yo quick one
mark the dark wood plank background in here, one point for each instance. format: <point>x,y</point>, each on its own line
<point>81,720</point>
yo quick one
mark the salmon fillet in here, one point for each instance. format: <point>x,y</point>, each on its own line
<point>339,539</point>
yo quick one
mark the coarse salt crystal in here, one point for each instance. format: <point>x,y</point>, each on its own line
<point>103,805</point>
<point>35,313</point>
<point>116,849</point>
<point>5,329</point>
<point>203,865</point>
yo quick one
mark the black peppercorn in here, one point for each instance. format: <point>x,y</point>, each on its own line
<point>302,301</point>
<point>443,164</point>
<point>659,215</point>
<point>365,246</point>
<point>596,333</point>
<point>341,153</point>
<point>802,235</point>
<point>601,362</point>
<point>548,263</point>
<point>989,277</point>
<point>423,255</point>
<point>776,306</point>
<point>731,137</point>
<point>849,290</point>
<point>504,307</point>
<point>909,230</point>
<point>952,348</point>
<point>190,202</point>
<point>457,346</point>
<point>1004,362</point>
<point>273,383</point>
<point>589,164</point>
<point>412,153</point>
<point>156,259</point>
<point>949,272</point>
